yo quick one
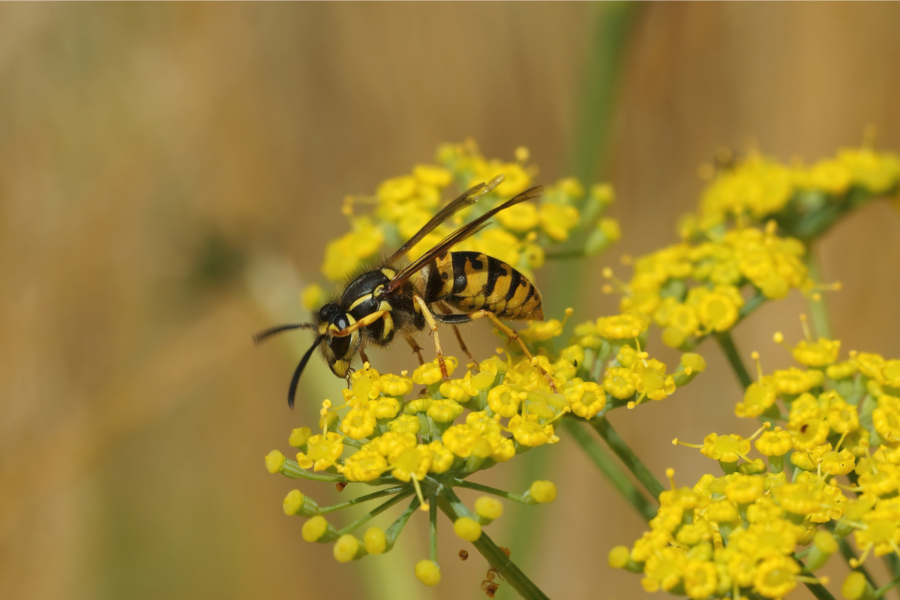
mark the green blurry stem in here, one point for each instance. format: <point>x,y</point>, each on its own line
<point>817,309</point>
<point>432,528</point>
<point>734,357</point>
<point>886,587</point>
<point>610,469</point>
<point>375,511</point>
<point>602,426</point>
<point>324,510</point>
<point>489,490</point>
<point>453,507</point>
<point>294,471</point>
<point>393,532</point>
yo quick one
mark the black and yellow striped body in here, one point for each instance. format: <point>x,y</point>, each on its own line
<point>472,281</point>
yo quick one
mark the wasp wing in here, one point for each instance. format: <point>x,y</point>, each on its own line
<point>468,198</point>
<point>456,237</point>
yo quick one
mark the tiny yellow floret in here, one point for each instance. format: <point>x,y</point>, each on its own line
<point>428,572</point>
<point>375,540</point>
<point>489,508</point>
<point>543,491</point>
<point>275,461</point>
<point>345,548</point>
<point>467,529</point>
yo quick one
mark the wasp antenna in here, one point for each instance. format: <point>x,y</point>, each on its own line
<point>292,391</point>
<point>266,333</point>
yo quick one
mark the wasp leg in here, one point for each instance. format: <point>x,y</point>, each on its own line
<point>429,318</point>
<point>367,320</point>
<point>362,354</point>
<point>416,348</point>
<point>446,310</point>
<point>509,332</point>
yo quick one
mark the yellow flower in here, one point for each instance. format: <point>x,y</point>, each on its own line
<point>618,381</point>
<point>456,390</point>
<point>808,432</point>
<point>664,569</point>
<point>405,424</point>
<point>531,433</point>
<point>433,174</point>
<point>430,372</point>
<point>520,218</point>
<point>717,312</point>
<point>774,443</point>
<point>585,399</point>
<point>459,439</point>
<point>321,451</point>
<point>441,457</point>
<point>558,219</point>
<point>385,407</point>
<point>444,411</point>
<point>721,511</point>
<point>700,579</point>
<point>504,400</point>
<point>793,381</point>
<point>651,379</point>
<point>364,465</point>
<point>727,448</point>
<point>411,462</point>
<point>392,444</point>
<point>841,370</point>
<point>621,327</point>
<point>775,577</point>
<point>817,354</point>
<point>757,399</point>
<point>428,572</point>
<point>359,423</point>
<point>744,489</point>
<point>392,385</point>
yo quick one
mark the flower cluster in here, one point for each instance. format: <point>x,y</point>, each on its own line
<point>401,205</point>
<point>740,531</point>
<point>693,289</point>
<point>760,188</point>
<point>423,445</point>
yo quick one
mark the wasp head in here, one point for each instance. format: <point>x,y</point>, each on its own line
<point>337,350</point>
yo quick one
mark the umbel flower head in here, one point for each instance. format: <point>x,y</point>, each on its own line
<point>829,469</point>
<point>421,446</point>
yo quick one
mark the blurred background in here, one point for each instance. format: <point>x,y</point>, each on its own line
<point>169,175</point>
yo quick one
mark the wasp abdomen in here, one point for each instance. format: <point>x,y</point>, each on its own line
<point>471,281</point>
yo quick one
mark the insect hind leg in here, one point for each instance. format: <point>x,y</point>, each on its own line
<point>509,332</point>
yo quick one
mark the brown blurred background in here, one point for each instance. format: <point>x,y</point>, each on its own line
<point>170,173</point>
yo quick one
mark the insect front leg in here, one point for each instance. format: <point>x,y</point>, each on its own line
<point>509,332</point>
<point>416,348</point>
<point>429,319</point>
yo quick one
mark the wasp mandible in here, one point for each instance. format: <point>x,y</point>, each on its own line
<point>387,300</point>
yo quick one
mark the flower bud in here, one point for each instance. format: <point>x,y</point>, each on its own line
<point>275,461</point>
<point>347,548</point>
<point>541,492</point>
<point>428,572</point>
<point>467,529</point>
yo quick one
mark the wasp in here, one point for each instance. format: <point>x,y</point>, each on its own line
<point>441,286</point>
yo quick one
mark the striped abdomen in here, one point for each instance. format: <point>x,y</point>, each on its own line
<point>471,281</point>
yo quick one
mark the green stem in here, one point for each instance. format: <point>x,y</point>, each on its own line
<point>375,511</point>
<point>886,587</point>
<point>817,309</point>
<point>294,471</point>
<point>393,532</point>
<point>602,426</point>
<point>432,528</point>
<point>324,510</point>
<point>488,490</point>
<point>453,507</point>
<point>734,358</point>
<point>610,469</point>
<point>818,590</point>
